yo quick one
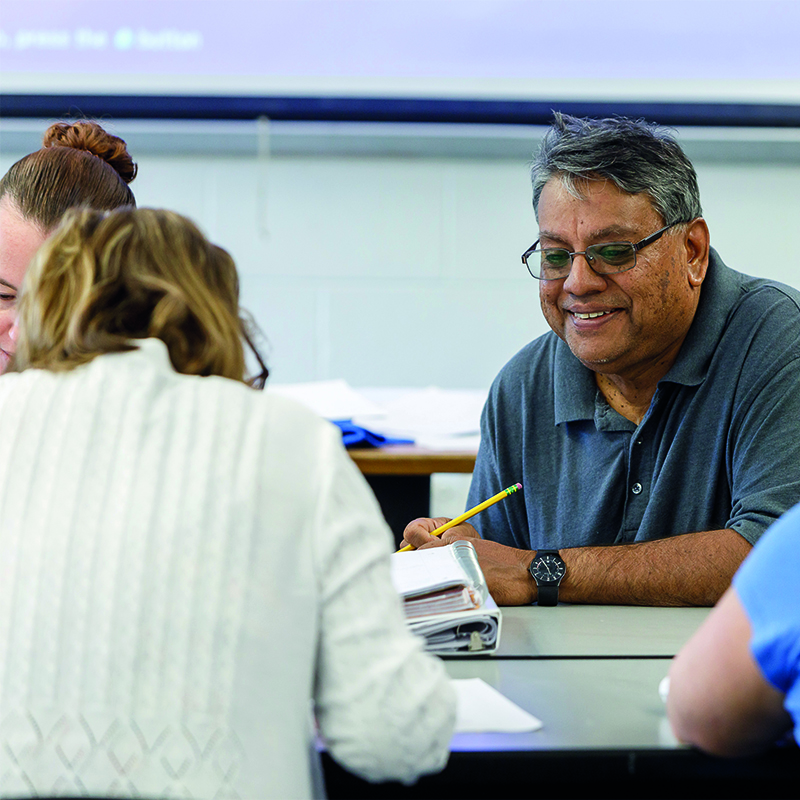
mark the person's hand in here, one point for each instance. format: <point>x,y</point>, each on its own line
<point>418,533</point>
<point>505,568</point>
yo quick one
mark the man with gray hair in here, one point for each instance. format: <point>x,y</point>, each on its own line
<point>656,429</point>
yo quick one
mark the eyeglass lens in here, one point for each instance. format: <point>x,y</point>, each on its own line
<point>555,262</point>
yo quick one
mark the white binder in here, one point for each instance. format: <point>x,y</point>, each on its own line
<point>446,599</point>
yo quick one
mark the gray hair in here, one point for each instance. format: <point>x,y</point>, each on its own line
<point>638,156</point>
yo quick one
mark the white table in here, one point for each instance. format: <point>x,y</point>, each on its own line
<point>591,674</point>
<point>583,631</point>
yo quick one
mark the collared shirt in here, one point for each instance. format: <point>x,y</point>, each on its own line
<point>719,446</point>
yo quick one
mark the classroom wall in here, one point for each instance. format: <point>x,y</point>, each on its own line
<point>397,270</point>
<point>382,271</point>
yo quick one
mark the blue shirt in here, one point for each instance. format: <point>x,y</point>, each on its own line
<point>768,587</point>
<point>718,448</point>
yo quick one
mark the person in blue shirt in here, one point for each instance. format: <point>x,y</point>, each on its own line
<point>656,428</point>
<point>735,686</point>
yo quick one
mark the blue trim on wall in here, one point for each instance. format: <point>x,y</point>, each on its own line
<point>391,109</point>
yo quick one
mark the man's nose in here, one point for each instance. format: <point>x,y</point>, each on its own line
<point>582,279</point>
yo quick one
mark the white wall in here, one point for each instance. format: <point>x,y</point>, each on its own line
<point>384,271</point>
<point>404,270</point>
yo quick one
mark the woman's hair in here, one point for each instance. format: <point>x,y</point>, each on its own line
<point>106,278</point>
<point>637,156</point>
<point>80,164</point>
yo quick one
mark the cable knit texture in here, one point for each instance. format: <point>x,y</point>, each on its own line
<point>190,573</point>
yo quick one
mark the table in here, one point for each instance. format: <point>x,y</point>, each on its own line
<point>591,674</point>
<point>400,477</point>
<point>601,704</point>
<point>585,631</point>
<point>409,459</point>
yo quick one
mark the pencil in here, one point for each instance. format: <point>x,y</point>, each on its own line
<point>471,513</point>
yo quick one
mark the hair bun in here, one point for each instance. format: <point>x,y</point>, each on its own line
<point>87,135</point>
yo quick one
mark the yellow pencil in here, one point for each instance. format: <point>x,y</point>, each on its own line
<point>471,513</point>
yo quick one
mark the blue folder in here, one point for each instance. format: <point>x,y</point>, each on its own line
<point>356,436</point>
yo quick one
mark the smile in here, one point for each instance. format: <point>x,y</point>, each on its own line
<point>590,315</point>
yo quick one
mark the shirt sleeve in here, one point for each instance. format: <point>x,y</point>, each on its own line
<point>385,708</point>
<point>763,438</point>
<point>768,587</point>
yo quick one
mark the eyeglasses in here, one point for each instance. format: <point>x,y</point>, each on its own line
<point>250,332</point>
<point>608,258</point>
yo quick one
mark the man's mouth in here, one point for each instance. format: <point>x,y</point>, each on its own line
<point>590,314</point>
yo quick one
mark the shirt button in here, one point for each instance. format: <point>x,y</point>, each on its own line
<point>636,488</point>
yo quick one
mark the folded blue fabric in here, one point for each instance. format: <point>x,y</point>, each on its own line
<point>356,436</point>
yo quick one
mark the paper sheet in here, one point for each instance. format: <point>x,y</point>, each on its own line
<point>437,419</point>
<point>424,571</point>
<point>429,413</point>
<point>330,399</point>
<point>482,709</point>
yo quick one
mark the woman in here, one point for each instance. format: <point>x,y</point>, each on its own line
<point>187,563</point>
<point>80,164</point>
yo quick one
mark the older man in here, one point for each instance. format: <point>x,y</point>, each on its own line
<point>656,430</point>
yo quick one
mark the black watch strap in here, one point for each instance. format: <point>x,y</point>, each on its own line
<point>547,569</point>
<point>548,594</point>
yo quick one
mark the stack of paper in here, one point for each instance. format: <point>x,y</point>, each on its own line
<point>332,400</point>
<point>446,598</point>
<point>456,598</point>
<point>437,419</point>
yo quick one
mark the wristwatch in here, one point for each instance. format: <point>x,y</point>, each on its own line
<point>547,569</point>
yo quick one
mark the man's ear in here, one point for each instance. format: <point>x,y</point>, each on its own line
<point>697,243</point>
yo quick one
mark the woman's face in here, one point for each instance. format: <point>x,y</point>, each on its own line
<point>19,240</point>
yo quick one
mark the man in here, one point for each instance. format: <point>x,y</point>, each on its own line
<point>656,430</point>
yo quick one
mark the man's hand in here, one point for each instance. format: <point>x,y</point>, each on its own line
<point>418,533</point>
<point>505,568</point>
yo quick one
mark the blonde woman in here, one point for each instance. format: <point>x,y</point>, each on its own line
<point>191,570</point>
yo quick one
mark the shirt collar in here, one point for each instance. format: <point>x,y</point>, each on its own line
<point>153,352</point>
<point>575,389</point>
<point>717,296</point>
<point>573,385</point>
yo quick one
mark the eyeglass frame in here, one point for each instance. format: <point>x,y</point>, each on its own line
<point>637,246</point>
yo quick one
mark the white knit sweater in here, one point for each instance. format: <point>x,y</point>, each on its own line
<point>185,565</point>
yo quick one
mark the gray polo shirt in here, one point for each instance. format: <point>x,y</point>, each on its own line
<point>718,448</point>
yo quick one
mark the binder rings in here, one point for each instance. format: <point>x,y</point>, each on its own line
<point>446,599</point>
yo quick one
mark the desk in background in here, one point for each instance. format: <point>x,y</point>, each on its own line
<point>400,477</point>
<point>591,674</point>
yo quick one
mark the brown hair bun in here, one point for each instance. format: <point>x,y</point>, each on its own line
<point>87,135</point>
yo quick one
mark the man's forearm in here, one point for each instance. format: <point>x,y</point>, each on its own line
<point>690,570</point>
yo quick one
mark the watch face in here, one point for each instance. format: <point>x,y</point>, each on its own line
<point>548,568</point>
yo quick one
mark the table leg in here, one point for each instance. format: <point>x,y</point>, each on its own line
<point>401,498</point>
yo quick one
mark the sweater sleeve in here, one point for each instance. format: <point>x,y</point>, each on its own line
<point>385,708</point>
